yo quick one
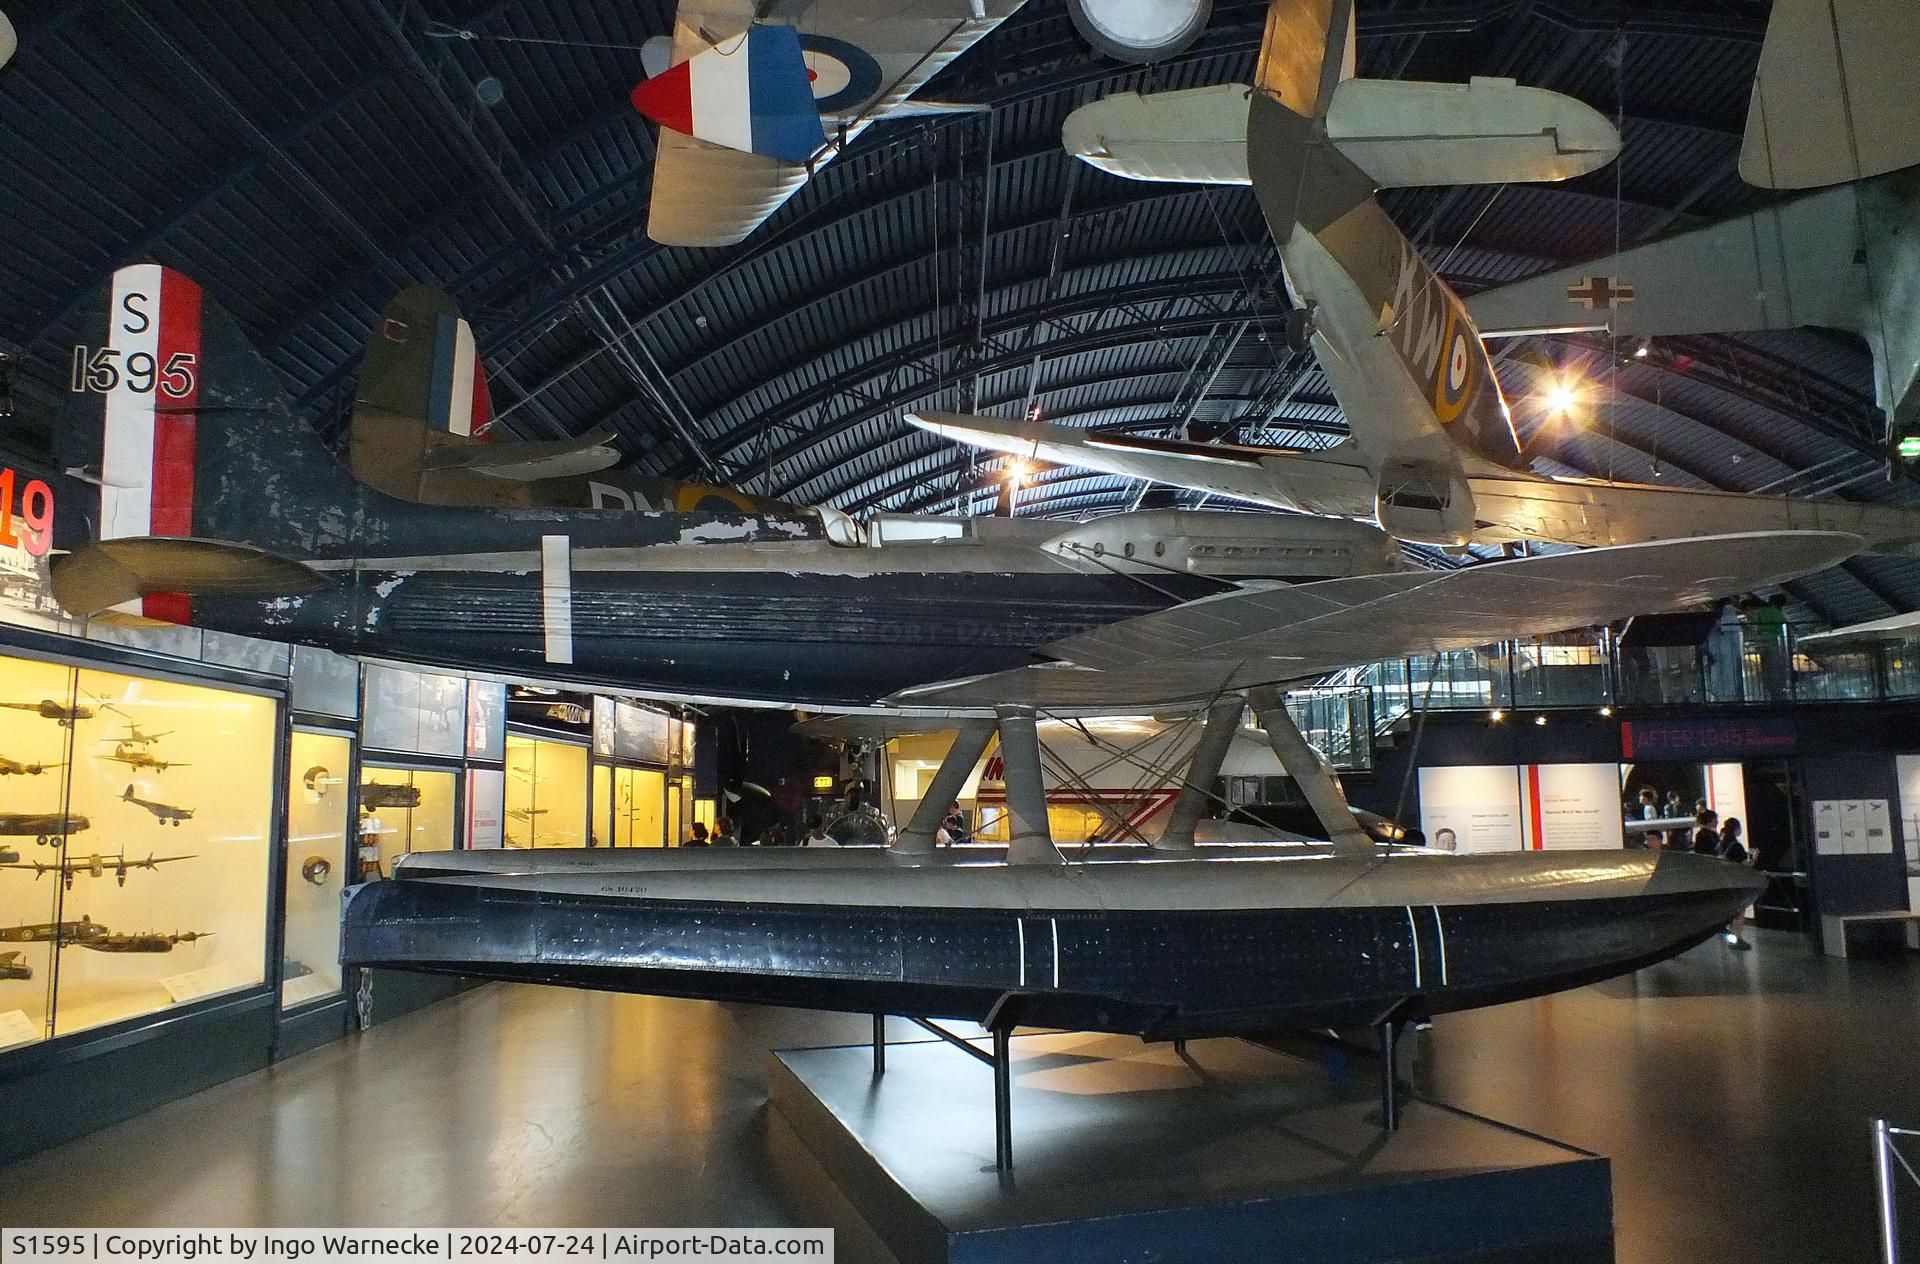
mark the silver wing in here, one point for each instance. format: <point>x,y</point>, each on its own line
<point>1193,652</point>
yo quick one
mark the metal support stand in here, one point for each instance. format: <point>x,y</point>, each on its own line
<point>1002,1100</point>
<point>1029,836</point>
<point>1389,1030</point>
<point>1223,721</point>
<point>879,1045</point>
<point>1316,781</point>
<point>969,743</point>
<point>1001,1061</point>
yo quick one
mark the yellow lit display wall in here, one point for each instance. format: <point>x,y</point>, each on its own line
<point>135,818</point>
<point>546,793</point>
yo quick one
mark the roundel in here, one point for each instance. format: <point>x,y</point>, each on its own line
<point>705,498</point>
<point>844,75</point>
<point>1454,380</point>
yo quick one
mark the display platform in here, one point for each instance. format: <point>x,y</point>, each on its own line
<point>1127,1152</point>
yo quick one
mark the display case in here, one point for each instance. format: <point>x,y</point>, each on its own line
<point>135,824</point>
<point>319,797</point>
<point>403,809</point>
<point>546,792</point>
<point>639,807</point>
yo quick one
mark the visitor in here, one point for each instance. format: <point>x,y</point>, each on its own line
<point>955,826</point>
<point>698,837</point>
<point>816,835</point>
<point>1706,833</point>
<point>1647,809</point>
<point>1733,847</point>
<point>771,836</point>
<point>723,833</point>
<point>1772,619</point>
<point>1723,656</point>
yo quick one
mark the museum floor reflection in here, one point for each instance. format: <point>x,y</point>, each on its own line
<point>1732,1091</point>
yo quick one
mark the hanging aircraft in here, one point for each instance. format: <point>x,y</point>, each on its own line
<point>210,504</point>
<point>251,526</point>
<point>752,99</point>
<point>165,813</point>
<point>46,828</point>
<point>9,41</point>
<point>1831,110</point>
<point>1432,455</point>
<point>14,768</point>
<point>11,967</point>
<point>95,866</point>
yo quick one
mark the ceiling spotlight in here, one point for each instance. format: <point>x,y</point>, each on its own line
<point>1606,711</point>
<point>1015,472</point>
<point>1496,715</point>
<point>1640,352</point>
<point>1562,397</point>
<point>1539,719</point>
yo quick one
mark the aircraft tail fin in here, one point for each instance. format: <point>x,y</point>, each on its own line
<point>423,415</point>
<point>169,410</point>
<point>1308,48</point>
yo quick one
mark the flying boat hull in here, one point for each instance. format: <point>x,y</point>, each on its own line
<point>1159,949</point>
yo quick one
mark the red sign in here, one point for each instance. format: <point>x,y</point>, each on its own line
<point>35,516</point>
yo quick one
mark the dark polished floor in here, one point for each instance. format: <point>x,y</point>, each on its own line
<point>1733,1092</point>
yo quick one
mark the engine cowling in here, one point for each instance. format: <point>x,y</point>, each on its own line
<point>1140,30</point>
<point>1424,505</point>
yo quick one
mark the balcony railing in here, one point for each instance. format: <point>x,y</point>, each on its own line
<point>1751,664</point>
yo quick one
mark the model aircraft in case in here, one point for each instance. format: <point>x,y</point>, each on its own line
<point>48,932</point>
<point>12,967</point>
<point>14,768</point>
<point>46,828</point>
<point>136,757</point>
<point>95,866</point>
<point>61,713</point>
<point>137,736</point>
<point>165,813</point>
<point>139,941</point>
<point>375,795</point>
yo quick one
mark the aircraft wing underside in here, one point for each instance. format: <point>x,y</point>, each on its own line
<point>1258,636</point>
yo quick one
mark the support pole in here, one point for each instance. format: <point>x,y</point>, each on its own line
<point>1223,721</point>
<point>1030,836</point>
<point>879,1045</point>
<point>1315,779</point>
<point>1002,1100</point>
<point>968,745</point>
<point>1389,1076</point>
<point>1883,1186</point>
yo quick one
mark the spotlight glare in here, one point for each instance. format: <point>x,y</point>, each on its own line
<point>1539,719</point>
<point>1496,715</point>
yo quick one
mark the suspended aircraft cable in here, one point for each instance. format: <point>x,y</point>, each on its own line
<point>1618,60</point>
<point>1413,750</point>
<point>1090,796</point>
<point>1441,267</point>
<point>446,31</point>
<point>1163,772</point>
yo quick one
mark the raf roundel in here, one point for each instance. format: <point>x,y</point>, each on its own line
<point>1454,381</point>
<point>843,75</point>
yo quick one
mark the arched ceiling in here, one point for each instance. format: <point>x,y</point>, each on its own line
<point>305,161</point>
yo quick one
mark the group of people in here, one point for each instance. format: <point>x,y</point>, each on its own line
<point>1707,836</point>
<point>722,835</point>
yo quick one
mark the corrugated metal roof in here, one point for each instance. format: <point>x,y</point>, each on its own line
<point>304,161</point>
